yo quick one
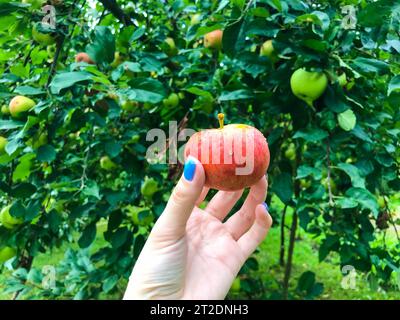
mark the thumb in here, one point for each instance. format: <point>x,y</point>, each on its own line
<point>172,222</point>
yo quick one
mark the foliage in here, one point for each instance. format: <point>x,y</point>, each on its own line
<point>346,142</point>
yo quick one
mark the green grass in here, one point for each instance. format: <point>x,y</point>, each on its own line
<point>305,258</point>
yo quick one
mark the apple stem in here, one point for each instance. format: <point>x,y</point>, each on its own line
<point>221,117</point>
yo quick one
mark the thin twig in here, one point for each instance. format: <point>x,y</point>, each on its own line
<point>328,153</point>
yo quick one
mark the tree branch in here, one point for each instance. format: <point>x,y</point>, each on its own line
<point>115,9</point>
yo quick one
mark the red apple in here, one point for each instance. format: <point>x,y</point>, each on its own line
<point>234,156</point>
<point>83,57</point>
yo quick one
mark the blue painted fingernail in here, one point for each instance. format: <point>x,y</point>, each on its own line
<point>266,206</point>
<point>189,169</point>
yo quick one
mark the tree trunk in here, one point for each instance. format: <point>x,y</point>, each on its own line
<point>288,268</point>
<point>282,247</point>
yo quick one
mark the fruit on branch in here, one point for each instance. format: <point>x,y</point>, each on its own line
<point>6,253</point>
<point>149,187</point>
<point>5,110</point>
<point>342,80</point>
<point>118,59</point>
<point>267,50</point>
<point>38,140</point>
<point>107,164</point>
<point>234,156</point>
<point>195,19</point>
<point>290,152</point>
<point>170,47</point>
<point>3,143</point>
<point>324,182</point>
<point>19,105</point>
<point>213,39</point>
<point>83,57</point>
<point>172,101</point>
<point>51,51</point>
<point>129,105</point>
<point>7,220</point>
<point>308,86</point>
<point>45,39</point>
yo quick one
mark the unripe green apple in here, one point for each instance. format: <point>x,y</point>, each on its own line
<point>213,39</point>
<point>5,110</point>
<point>149,187</point>
<point>381,202</point>
<point>7,220</point>
<point>305,184</point>
<point>129,105</point>
<point>19,105</point>
<point>170,48</point>
<point>45,39</point>
<point>324,182</point>
<point>290,152</point>
<point>39,139</point>
<point>350,85</point>
<point>267,50</point>
<point>3,143</point>
<point>236,285</point>
<point>141,216</point>
<point>6,253</point>
<point>308,86</point>
<point>136,120</point>
<point>118,59</point>
<point>51,50</point>
<point>172,101</point>
<point>195,19</point>
<point>107,164</point>
<point>135,138</point>
<point>342,80</point>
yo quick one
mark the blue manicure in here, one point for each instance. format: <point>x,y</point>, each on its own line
<point>189,169</point>
<point>266,206</point>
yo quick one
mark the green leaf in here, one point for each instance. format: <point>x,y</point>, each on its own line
<point>139,32</point>
<point>306,281</point>
<point>353,173</point>
<point>305,170</point>
<point>368,66</point>
<point>394,85</point>
<point>113,148</point>
<point>311,134</point>
<point>10,124</point>
<point>23,190</point>
<point>88,236</point>
<point>146,90</point>
<point>283,187</point>
<point>347,120</point>
<point>365,199</point>
<point>102,48</point>
<point>23,169</point>
<point>119,237</point>
<point>46,153</point>
<point>91,189</point>
<point>235,95</point>
<point>110,283</point>
<point>28,91</point>
<point>68,79</point>
<point>231,38</point>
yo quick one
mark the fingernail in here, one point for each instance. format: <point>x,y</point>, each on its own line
<point>266,206</point>
<point>189,169</point>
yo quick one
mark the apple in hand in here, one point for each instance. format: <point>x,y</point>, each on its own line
<point>308,86</point>
<point>83,57</point>
<point>3,143</point>
<point>19,105</point>
<point>6,253</point>
<point>213,39</point>
<point>234,156</point>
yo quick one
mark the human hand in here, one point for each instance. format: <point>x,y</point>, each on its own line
<point>191,253</point>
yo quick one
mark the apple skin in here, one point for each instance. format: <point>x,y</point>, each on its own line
<point>3,143</point>
<point>107,164</point>
<point>172,101</point>
<point>5,110</point>
<point>213,39</point>
<point>45,39</point>
<point>83,57</point>
<point>129,106</point>
<point>223,176</point>
<point>267,50</point>
<point>6,253</point>
<point>7,220</point>
<point>308,86</point>
<point>19,105</point>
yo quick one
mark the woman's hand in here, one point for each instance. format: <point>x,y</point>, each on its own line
<point>191,253</point>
